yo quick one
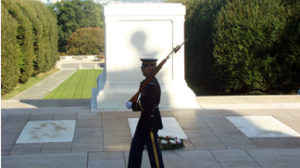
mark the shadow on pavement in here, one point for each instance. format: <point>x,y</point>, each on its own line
<point>57,102</point>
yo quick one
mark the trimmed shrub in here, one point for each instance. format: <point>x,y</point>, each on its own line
<point>29,41</point>
<point>242,47</point>
<point>86,41</point>
<point>10,52</point>
<point>245,32</point>
<point>286,70</point>
<point>24,37</point>
<point>48,37</point>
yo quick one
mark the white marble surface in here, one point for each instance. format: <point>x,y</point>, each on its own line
<point>262,126</point>
<point>171,127</point>
<point>48,131</point>
<point>149,30</point>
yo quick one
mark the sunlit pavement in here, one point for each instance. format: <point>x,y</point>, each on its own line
<point>102,139</point>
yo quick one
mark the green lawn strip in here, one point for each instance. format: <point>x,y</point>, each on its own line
<point>91,83</point>
<point>58,92</point>
<point>78,86</point>
<point>64,89</point>
<point>70,89</point>
<point>85,93</point>
<point>68,92</point>
<point>31,81</point>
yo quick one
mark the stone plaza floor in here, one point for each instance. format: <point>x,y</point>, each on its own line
<point>102,139</point>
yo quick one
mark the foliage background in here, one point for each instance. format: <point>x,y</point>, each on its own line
<point>28,41</point>
<point>86,41</point>
<point>242,47</point>
<point>73,15</point>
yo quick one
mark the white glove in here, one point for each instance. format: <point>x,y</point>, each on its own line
<point>129,105</point>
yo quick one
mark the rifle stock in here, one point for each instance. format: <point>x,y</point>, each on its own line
<point>135,97</point>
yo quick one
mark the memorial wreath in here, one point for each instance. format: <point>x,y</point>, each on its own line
<point>168,143</point>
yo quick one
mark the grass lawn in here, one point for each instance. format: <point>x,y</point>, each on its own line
<point>77,86</point>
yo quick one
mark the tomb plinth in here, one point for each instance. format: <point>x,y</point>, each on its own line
<point>142,30</point>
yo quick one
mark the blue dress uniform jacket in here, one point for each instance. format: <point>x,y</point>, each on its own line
<point>148,105</point>
<point>147,127</point>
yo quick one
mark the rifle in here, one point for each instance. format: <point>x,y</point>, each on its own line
<point>155,71</point>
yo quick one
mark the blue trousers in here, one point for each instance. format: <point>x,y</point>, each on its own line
<point>148,138</point>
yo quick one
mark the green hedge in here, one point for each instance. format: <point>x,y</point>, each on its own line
<point>245,32</point>
<point>10,52</point>
<point>242,47</point>
<point>200,18</point>
<point>29,44</point>
<point>24,38</point>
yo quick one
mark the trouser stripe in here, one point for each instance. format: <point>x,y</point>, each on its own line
<point>154,149</point>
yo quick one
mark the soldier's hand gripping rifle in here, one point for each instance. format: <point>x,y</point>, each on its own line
<point>155,71</point>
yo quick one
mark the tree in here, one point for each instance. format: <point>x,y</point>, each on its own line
<point>245,32</point>
<point>72,15</point>
<point>86,41</point>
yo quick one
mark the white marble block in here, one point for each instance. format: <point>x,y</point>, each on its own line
<point>47,131</point>
<point>142,30</point>
<point>262,126</point>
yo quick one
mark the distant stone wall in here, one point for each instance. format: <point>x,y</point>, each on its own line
<point>81,58</point>
<point>81,62</point>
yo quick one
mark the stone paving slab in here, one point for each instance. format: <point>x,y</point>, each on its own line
<point>250,102</point>
<point>47,131</point>
<point>234,158</point>
<point>171,127</point>
<point>262,126</point>
<point>62,147</point>
<point>225,158</point>
<point>254,99</point>
<point>183,159</point>
<point>103,140</point>
<point>208,129</point>
<point>42,103</point>
<point>106,159</point>
<point>277,158</point>
<point>54,160</point>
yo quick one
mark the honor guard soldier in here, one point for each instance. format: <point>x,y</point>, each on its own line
<point>149,122</point>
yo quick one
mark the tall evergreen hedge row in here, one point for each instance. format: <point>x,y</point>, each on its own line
<point>10,52</point>
<point>242,47</point>
<point>244,35</point>
<point>28,41</point>
<point>199,27</point>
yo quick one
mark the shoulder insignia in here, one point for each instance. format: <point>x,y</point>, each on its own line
<point>151,83</point>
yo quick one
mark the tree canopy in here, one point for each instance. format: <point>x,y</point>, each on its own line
<point>75,14</point>
<point>86,41</point>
